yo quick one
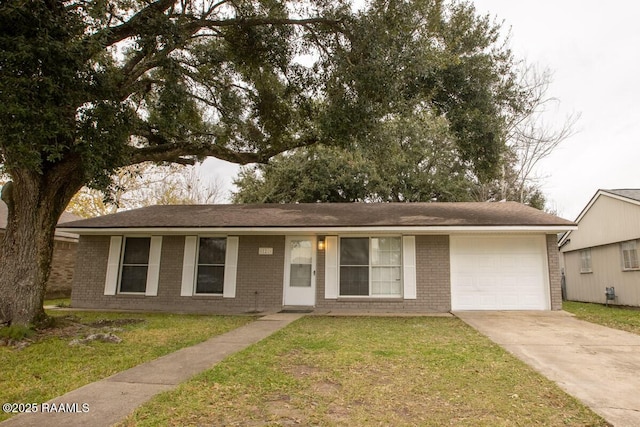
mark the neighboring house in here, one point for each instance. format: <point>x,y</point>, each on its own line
<point>395,257</point>
<point>64,256</point>
<point>603,251</point>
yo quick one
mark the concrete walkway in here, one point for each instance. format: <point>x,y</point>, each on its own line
<point>112,399</point>
<point>595,364</point>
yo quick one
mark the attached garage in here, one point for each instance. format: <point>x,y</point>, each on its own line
<point>499,272</point>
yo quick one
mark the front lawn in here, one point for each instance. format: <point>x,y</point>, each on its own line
<point>50,367</point>
<point>369,371</point>
<point>623,318</point>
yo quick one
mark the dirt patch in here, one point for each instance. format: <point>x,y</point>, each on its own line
<point>68,328</point>
<point>326,388</point>
<point>302,371</point>
<point>338,414</point>
<point>282,412</point>
<point>102,323</point>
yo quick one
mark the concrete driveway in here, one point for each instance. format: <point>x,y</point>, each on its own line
<point>600,366</point>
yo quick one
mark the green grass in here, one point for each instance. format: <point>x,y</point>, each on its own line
<point>623,318</point>
<point>50,367</point>
<point>369,371</point>
<point>59,302</point>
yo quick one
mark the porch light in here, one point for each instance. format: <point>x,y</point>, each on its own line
<point>321,245</point>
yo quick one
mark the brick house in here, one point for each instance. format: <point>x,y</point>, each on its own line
<point>395,257</point>
<point>64,256</point>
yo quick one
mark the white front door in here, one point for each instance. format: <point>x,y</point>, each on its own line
<point>300,271</point>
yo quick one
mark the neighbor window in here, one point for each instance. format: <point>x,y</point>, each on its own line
<point>630,256</point>
<point>135,264</point>
<point>210,274</point>
<point>585,261</point>
<point>370,266</point>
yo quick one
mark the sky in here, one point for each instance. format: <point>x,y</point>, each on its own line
<point>593,50</point>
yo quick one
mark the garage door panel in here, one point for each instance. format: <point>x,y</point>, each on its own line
<point>499,273</point>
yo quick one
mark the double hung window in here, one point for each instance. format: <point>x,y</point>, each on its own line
<point>585,261</point>
<point>211,257</point>
<point>371,266</point>
<point>135,265</point>
<point>630,255</point>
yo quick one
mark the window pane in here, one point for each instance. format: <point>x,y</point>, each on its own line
<point>634,259</point>
<point>354,251</point>
<point>585,257</point>
<point>630,259</point>
<point>136,250</point>
<point>210,280</point>
<point>212,250</point>
<point>301,251</point>
<point>134,278</point>
<point>385,251</point>
<point>630,255</point>
<point>354,280</point>
<point>385,281</point>
<point>300,275</point>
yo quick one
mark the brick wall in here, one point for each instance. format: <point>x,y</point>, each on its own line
<point>260,280</point>
<point>433,283</point>
<point>553,261</point>
<point>62,266</point>
<point>258,285</point>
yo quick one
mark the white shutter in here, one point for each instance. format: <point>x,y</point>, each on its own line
<point>230,267</point>
<point>331,267</point>
<point>409,266</point>
<point>188,265</point>
<point>113,266</point>
<point>153,272</point>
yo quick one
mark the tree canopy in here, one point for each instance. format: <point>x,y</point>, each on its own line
<point>87,87</point>
<point>410,159</point>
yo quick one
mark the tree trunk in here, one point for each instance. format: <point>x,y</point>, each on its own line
<point>35,203</point>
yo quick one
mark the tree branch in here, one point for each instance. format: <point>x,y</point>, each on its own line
<point>112,35</point>
<point>255,22</point>
<point>184,152</point>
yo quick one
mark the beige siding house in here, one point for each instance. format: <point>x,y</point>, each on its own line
<point>603,251</point>
<point>391,257</point>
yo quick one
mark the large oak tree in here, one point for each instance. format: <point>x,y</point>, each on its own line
<point>87,87</point>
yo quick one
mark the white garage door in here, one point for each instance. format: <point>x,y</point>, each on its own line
<point>499,273</point>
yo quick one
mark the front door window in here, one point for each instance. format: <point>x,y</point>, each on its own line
<point>300,272</point>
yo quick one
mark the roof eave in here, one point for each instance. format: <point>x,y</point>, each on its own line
<point>324,230</point>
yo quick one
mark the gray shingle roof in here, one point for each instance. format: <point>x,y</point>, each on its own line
<point>630,193</point>
<point>325,215</point>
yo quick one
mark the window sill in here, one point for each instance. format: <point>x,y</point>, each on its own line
<point>587,272</point>
<point>369,299</point>
<point>205,296</point>
<point>630,269</point>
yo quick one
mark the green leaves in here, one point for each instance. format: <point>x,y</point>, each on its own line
<point>318,174</point>
<point>406,159</point>
<point>115,82</point>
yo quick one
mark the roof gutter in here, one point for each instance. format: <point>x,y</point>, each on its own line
<point>529,229</point>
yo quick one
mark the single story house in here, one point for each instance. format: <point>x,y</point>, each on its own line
<point>65,245</point>
<point>392,257</point>
<point>603,251</point>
